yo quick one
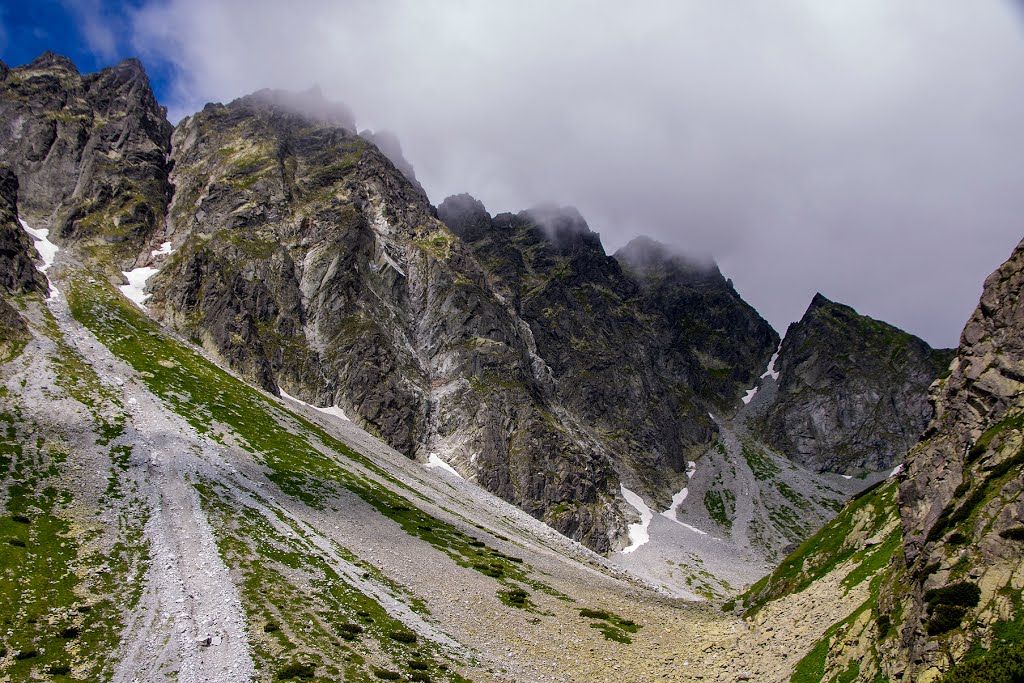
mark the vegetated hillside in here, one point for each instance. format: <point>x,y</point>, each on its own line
<point>164,518</point>
<point>938,551</point>
<point>853,391</point>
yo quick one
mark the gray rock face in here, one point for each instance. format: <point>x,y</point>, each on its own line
<point>962,494</point>
<point>853,391</point>
<point>90,151</point>
<point>306,260</point>
<point>18,274</point>
<point>616,341</point>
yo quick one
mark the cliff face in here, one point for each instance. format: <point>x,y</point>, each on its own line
<point>962,496</point>
<point>90,151</point>
<point>306,260</point>
<point>18,273</point>
<point>852,392</point>
<point>627,338</point>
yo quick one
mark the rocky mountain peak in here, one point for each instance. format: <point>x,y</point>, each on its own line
<point>853,390</point>
<point>309,104</point>
<point>52,61</point>
<point>465,215</point>
<point>651,259</point>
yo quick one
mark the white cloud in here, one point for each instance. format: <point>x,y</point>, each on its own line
<point>869,150</point>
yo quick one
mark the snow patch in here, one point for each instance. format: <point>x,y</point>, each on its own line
<point>434,461</point>
<point>749,395</point>
<point>679,498</point>
<point>137,278</point>
<point>47,249</point>
<point>771,371</point>
<point>334,411</point>
<point>846,476</point>
<point>638,532</point>
<point>164,250</point>
<point>896,470</point>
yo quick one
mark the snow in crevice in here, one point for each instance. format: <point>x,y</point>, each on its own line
<point>434,461</point>
<point>679,498</point>
<point>896,470</point>
<point>638,532</point>
<point>334,411</point>
<point>135,289</point>
<point>47,251</point>
<point>771,371</point>
<point>164,250</point>
<point>846,476</point>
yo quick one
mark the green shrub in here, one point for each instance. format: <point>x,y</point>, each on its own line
<point>350,631</point>
<point>69,632</point>
<point>1015,533</point>
<point>417,665</point>
<point>962,594</point>
<point>20,519</point>
<point>16,542</point>
<point>296,670</point>
<point>420,676</point>
<point>957,538</point>
<point>1003,664</point>
<point>945,618</point>
<point>402,636</point>
<point>884,624</point>
<point>26,654</point>
<point>386,675</point>
<point>270,627</point>
<point>59,669</point>
<point>594,614</point>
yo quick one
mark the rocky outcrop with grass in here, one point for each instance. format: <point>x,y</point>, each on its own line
<point>90,150</point>
<point>962,497</point>
<point>939,548</point>
<point>853,391</point>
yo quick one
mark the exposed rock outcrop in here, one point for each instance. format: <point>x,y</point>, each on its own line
<point>18,273</point>
<point>617,341</point>
<point>853,391</point>
<point>90,151</point>
<point>306,260</point>
<point>962,495</point>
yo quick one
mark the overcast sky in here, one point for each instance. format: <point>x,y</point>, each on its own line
<point>870,150</point>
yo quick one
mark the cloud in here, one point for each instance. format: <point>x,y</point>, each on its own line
<point>869,150</point>
<point>97,26</point>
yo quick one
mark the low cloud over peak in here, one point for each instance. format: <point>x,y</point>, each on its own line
<point>870,149</point>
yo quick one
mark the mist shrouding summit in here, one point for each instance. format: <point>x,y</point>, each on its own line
<point>868,150</point>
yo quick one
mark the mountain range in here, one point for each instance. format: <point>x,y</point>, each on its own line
<point>271,414</point>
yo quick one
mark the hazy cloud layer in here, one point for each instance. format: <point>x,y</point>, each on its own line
<point>871,150</point>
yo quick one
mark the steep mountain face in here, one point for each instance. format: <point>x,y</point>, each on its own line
<point>304,259</point>
<point>853,391</point>
<point>724,341</point>
<point>962,497</point>
<point>90,151</point>
<point>616,342</point>
<point>18,274</point>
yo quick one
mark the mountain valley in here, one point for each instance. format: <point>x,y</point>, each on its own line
<point>270,415</point>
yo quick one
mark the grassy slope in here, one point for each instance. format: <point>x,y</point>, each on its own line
<point>68,571</point>
<point>838,547</point>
